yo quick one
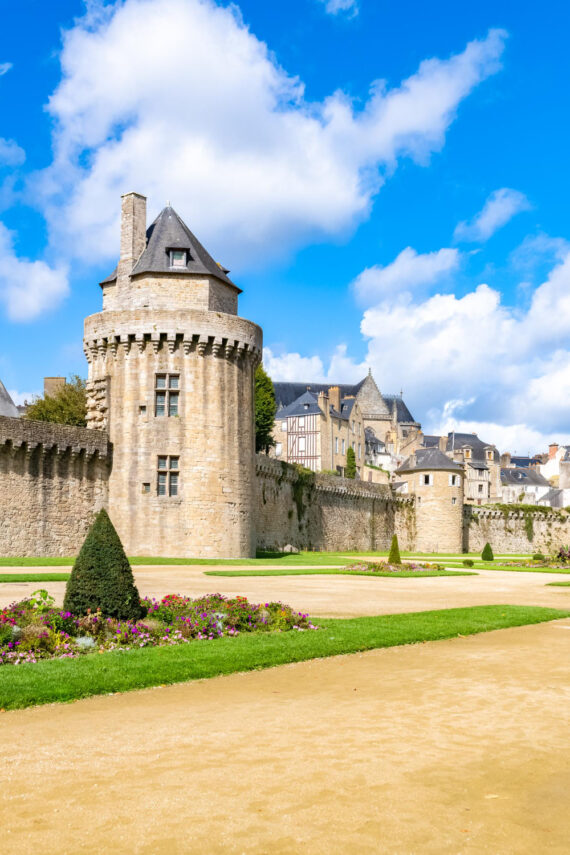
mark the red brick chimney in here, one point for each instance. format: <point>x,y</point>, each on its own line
<point>552,449</point>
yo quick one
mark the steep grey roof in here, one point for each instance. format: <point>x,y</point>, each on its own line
<point>286,393</point>
<point>7,405</point>
<point>307,404</point>
<point>168,232</point>
<point>373,442</point>
<point>458,440</point>
<point>431,441</point>
<point>429,458</point>
<point>523,477</point>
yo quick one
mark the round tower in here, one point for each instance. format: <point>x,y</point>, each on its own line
<point>437,482</point>
<point>171,378</point>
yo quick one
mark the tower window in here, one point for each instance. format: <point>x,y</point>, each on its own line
<point>178,258</point>
<point>168,475</point>
<point>427,480</point>
<point>166,394</point>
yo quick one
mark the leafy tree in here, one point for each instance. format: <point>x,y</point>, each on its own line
<point>350,471</point>
<point>265,409</point>
<point>101,577</point>
<point>394,556</point>
<point>487,554</point>
<point>68,406</point>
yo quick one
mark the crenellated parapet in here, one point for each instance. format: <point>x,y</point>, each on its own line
<point>28,436</point>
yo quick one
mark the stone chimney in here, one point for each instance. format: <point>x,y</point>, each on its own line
<point>334,397</point>
<point>133,232</point>
<point>52,385</point>
<point>552,450</point>
<point>506,460</point>
<point>323,402</point>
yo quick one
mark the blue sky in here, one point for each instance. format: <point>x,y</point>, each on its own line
<point>387,181</point>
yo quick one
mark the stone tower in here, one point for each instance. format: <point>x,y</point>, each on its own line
<point>437,483</point>
<point>171,378</point>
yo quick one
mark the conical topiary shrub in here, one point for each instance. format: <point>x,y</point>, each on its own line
<point>102,577</point>
<point>487,554</point>
<point>394,556</point>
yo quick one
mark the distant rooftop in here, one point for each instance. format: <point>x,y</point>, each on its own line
<point>7,405</point>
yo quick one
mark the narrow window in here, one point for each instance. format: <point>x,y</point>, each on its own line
<point>302,444</point>
<point>343,446</point>
<point>166,394</point>
<point>301,422</point>
<point>178,258</point>
<point>168,475</point>
<point>278,449</point>
<point>454,501</point>
<point>284,426</point>
<point>336,445</point>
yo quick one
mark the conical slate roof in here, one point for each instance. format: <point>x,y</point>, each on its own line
<point>7,405</point>
<point>429,458</point>
<point>168,232</point>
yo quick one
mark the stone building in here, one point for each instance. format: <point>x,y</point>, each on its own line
<point>171,369</point>
<point>438,485</point>
<point>481,462</point>
<point>316,431</point>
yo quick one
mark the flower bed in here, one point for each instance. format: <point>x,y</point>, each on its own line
<point>33,629</point>
<point>384,567</point>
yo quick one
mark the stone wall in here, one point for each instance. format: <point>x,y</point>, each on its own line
<point>53,478</point>
<point>528,530</point>
<point>325,512</point>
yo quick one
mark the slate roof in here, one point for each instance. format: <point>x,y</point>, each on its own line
<point>431,441</point>
<point>523,477</point>
<point>372,440</point>
<point>429,458</point>
<point>286,393</point>
<point>458,440</point>
<point>168,232</point>
<point>7,405</point>
<point>307,404</point>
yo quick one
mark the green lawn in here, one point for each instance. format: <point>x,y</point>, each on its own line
<point>67,680</point>
<point>481,565</point>
<point>330,571</point>
<point>34,577</point>
<point>558,584</point>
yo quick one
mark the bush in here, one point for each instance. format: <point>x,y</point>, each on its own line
<point>487,554</point>
<point>468,562</point>
<point>350,471</point>
<point>394,556</point>
<point>101,577</point>
<point>538,556</point>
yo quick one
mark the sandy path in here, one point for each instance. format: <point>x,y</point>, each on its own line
<point>341,596</point>
<point>449,747</point>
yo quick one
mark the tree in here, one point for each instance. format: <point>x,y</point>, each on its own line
<point>394,556</point>
<point>265,409</point>
<point>68,406</point>
<point>101,577</point>
<point>487,554</point>
<point>350,471</point>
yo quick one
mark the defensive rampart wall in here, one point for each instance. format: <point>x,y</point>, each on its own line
<point>530,529</point>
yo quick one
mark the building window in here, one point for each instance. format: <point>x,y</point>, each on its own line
<point>343,446</point>
<point>284,426</point>
<point>178,258</point>
<point>336,445</point>
<point>467,453</point>
<point>480,488</point>
<point>146,488</point>
<point>427,480</point>
<point>454,481</point>
<point>302,444</point>
<point>166,394</point>
<point>168,475</point>
<point>359,451</point>
<point>278,449</point>
<point>454,501</point>
<point>301,422</point>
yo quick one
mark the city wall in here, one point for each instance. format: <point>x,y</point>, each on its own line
<point>528,530</point>
<point>53,478</point>
<point>325,512</point>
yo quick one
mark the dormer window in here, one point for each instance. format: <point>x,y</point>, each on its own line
<point>178,258</point>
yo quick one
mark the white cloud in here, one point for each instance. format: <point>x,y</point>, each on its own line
<point>27,288</point>
<point>179,100</point>
<point>292,367</point>
<point>5,67</point>
<point>409,270</point>
<point>20,398</point>
<point>334,7</point>
<point>517,438</point>
<point>10,153</point>
<point>500,207</point>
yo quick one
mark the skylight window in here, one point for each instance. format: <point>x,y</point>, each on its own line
<point>178,258</point>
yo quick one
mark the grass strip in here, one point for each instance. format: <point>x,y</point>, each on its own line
<point>96,674</point>
<point>34,577</point>
<point>558,585</point>
<point>333,571</point>
<point>481,566</point>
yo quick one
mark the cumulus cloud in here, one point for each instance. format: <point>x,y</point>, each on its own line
<point>27,288</point>
<point>500,207</point>
<point>292,367</point>
<point>10,153</point>
<point>408,271</point>
<point>5,67</point>
<point>179,100</point>
<point>335,7</point>
<point>20,398</point>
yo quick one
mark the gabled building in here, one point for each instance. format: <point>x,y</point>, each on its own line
<point>524,485</point>
<point>482,465</point>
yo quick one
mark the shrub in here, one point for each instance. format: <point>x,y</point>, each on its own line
<point>468,562</point>
<point>394,556</point>
<point>487,554</point>
<point>538,556</point>
<point>350,471</point>
<point>101,577</point>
